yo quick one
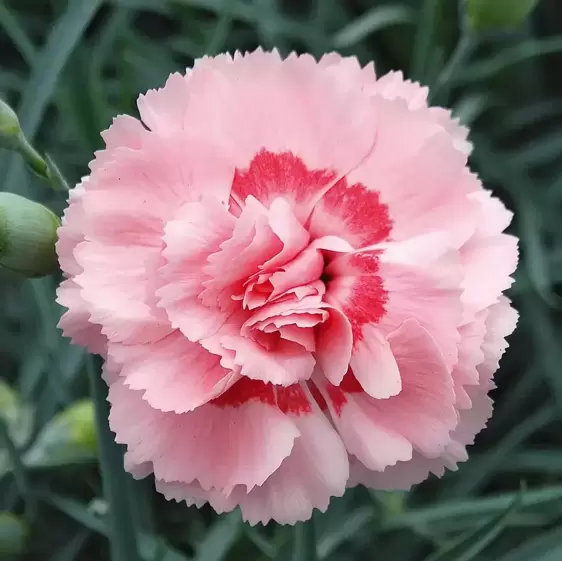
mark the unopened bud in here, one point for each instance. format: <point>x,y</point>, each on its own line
<point>10,130</point>
<point>485,15</point>
<point>28,232</point>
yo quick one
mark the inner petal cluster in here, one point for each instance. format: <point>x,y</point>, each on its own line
<point>258,299</point>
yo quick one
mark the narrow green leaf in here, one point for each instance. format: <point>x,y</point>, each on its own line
<point>63,38</point>
<point>304,542</point>
<point>72,549</point>
<point>123,535</point>
<point>535,461</point>
<point>11,26</point>
<point>150,546</point>
<point>508,58</point>
<point>472,543</point>
<point>370,22</point>
<point>268,549</point>
<point>481,507</point>
<point>357,520</point>
<point>220,537</point>
<point>424,40</point>
<point>545,547</point>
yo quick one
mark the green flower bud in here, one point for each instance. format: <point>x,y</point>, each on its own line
<point>28,232</point>
<point>69,437</point>
<point>484,15</point>
<point>10,130</point>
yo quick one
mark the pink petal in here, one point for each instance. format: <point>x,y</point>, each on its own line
<point>304,269</point>
<point>114,286</point>
<point>489,257</point>
<point>75,323</point>
<point>374,365</point>
<point>316,470</point>
<point>427,391</point>
<point>285,364</point>
<point>418,172</point>
<point>351,212</point>
<point>397,477</point>
<point>465,372</point>
<point>194,495</point>
<point>281,107</point>
<point>221,447</point>
<point>253,243</point>
<point>422,278</point>
<point>174,373</point>
<point>376,445</point>
<point>423,412</point>
<point>163,110</point>
<point>125,131</point>
<point>334,341</point>
<point>70,234</point>
<point>500,323</point>
<point>195,233</point>
<point>357,289</point>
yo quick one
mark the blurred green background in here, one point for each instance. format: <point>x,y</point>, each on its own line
<point>69,66</point>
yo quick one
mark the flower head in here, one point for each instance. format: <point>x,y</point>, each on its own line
<point>295,280</point>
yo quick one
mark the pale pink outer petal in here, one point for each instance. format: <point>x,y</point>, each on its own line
<point>194,495</point>
<point>422,277</point>
<point>110,371</point>
<point>75,322</point>
<point>174,373</point>
<point>375,444</point>
<point>114,287</point>
<point>258,101</point>
<point>419,172</point>
<point>316,470</point>
<point>196,232</point>
<point>393,86</point>
<point>500,322</point>
<point>124,131</point>
<point>422,414</point>
<point>489,257</point>
<point>163,110</point>
<point>125,203</point>
<point>70,233</point>
<point>221,447</point>
<point>471,355</point>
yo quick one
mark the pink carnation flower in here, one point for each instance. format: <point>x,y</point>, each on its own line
<point>295,280</point>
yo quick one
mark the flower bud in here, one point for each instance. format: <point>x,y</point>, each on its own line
<point>68,437</point>
<point>484,15</point>
<point>28,232</point>
<point>10,131</point>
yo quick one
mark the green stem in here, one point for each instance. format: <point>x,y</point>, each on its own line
<point>304,542</point>
<point>122,534</point>
<point>32,158</point>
